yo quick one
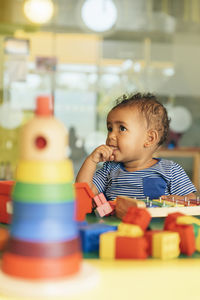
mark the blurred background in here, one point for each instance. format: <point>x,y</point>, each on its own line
<point>86,53</point>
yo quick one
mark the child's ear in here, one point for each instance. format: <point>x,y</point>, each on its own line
<point>152,138</point>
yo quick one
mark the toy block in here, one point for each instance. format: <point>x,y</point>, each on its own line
<point>97,201</point>
<point>187,220</point>
<point>124,202</point>
<point>131,230</point>
<point>187,243</point>
<point>165,245</point>
<point>131,248</point>
<point>5,201</point>
<point>107,245</point>
<point>103,207</point>
<point>149,237</point>
<point>90,235</point>
<point>99,212</point>
<point>5,215</point>
<point>137,216</point>
<point>102,198</point>
<point>103,210</point>
<point>170,220</point>
<point>107,208</point>
<point>84,196</point>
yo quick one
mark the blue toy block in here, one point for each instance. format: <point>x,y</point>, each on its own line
<point>90,235</point>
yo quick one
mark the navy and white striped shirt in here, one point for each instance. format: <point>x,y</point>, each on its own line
<point>164,178</point>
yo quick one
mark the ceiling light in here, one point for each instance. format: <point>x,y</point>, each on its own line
<point>99,15</point>
<point>38,11</point>
<point>169,71</point>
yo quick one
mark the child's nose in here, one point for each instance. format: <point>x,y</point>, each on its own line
<point>112,135</point>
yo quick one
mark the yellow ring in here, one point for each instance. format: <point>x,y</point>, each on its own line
<point>45,171</point>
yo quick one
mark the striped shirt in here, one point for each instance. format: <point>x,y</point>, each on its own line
<point>164,178</point>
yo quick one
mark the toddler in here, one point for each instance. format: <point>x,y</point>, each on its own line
<point>137,126</point>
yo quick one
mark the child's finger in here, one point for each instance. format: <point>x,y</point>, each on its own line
<point>105,155</point>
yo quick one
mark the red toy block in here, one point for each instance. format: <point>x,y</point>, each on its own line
<point>5,215</point>
<point>187,244</point>
<point>84,196</point>
<point>170,220</point>
<point>131,248</point>
<point>137,216</point>
<point>5,199</point>
<point>149,237</point>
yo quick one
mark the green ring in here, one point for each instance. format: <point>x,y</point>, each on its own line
<point>44,193</point>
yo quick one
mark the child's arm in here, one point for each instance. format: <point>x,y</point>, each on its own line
<point>100,154</point>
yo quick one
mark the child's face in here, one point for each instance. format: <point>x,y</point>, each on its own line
<point>127,134</point>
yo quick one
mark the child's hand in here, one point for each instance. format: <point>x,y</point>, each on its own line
<point>101,154</point>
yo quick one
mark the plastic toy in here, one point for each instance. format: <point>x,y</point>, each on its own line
<point>90,235</point>
<point>5,201</point>
<point>187,239</point>
<point>137,216</point>
<point>103,207</point>
<point>44,241</point>
<point>84,196</point>
<point>149,237</point>
<point>131,248</point>
<point>40,219</point>
<point>130,230</point>
<point>123,203</point>
<point>165,245</point>
<point>107,245</point>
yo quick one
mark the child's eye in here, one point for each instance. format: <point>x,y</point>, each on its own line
<point>122,128</point>
<point>109,129</point>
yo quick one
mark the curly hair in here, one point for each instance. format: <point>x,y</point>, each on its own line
<point>154,112</point>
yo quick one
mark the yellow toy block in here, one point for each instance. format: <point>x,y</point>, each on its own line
<point>165,245</point>
<point>130,230</point>
<point>187,220</point>
<point>107,245</point>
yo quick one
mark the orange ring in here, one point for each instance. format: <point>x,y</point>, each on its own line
<point>38,268</point>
